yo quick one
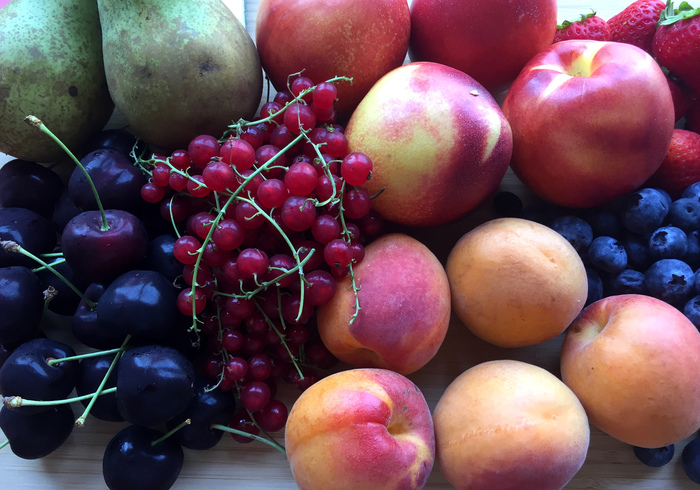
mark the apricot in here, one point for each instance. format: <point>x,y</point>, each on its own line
<point>515,282</point>
<point>508,424</point>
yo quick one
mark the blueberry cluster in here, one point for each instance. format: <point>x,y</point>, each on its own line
<point>642,243</point>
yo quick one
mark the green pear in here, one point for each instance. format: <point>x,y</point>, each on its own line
<point>51,67</point>
<point>178,68</point>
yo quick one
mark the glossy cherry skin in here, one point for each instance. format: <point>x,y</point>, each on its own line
<point>4,354</point>
<point>141,303</point>
<point>100,256</point>
<point>21,304</point>
<point>35,435</point>
<point>32,231</point>
<point>131,462</point>
<point>160,257</point>
<point>206,408</point>
<point>117,180</point>
<point>27,373</point>
<point>88,328</point>
<point>115,139</point>
<point>90,374</point>
<point>154,384</point>
<point>29,185</point>
<point>66,300</point>
<point>64,211</point>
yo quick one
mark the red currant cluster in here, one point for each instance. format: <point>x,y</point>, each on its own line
<point>268,217</point>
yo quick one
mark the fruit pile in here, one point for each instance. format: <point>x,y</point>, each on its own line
<point>193,279</point>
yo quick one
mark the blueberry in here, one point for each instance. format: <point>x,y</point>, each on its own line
<point>696,278</point>
<point>692,191</point>
<point>628,281</point>
<point>670,280</point>
<point>692,310</point>
<point>666,195</point>
<point>607,254</point>
<point>690,458</point>
<point>595,286</point>
<point>685,214</point>
<point>644,211</point>
<point>692,255</point>
<point>668,242</point>
<point>604,223</point>
<point>638,254</point>
<point>508,204</point>
<point>657,456</point>
<point>576,230</point>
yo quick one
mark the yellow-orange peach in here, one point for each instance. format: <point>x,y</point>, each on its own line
<point>361,429</point>
<point>515,282</point>
<point>404,301</point>
<point>508,424</point>
<point>634,362</point>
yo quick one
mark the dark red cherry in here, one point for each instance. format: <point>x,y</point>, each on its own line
<point>88,328</point>
<point>29,185</point>
<point>91,372</point>
<point>27,372</point>
<point>154,384</point>
<point>30,230</point>
<point>132,462</point>
<point>101,255</point>
<point>21,304</point>
<point>35,435</point>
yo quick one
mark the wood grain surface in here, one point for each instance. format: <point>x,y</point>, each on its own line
<point>610,464</point>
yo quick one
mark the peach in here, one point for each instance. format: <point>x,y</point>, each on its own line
<point>515,282</point>
<point>439,142</point>
<point>360,428</point>
<point>508,424</point>
<point>634,362</point>
<point>404,308</point>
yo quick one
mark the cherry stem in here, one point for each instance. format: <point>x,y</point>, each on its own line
<point>171,432</point>
<point>53,362</point>
<point>269,442</point>
<point>80,422</point>
<point>4,443</point>
<point>18,401</point>
<point>36,122</point>
<point>54,263</point>
<point>10,246</point>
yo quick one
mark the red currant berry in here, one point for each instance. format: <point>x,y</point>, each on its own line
<point>321,289</point>
<point>264,154</point>
<point>240,307</point>
<point>151,192</point>
<point>201,223</point>
<point>281,137</point>
<point>283,97</point>
<point>186,248</point>
<point>202,149</point>
<point>196,186</point>
<point>228,235</point>
<point>300,84</point>
<point>219,176</point>
<point>356,203</point>
<point>337,253</point>
<point>259,367</point>
<point>178,182</point>
<point>270,108</point>
<point>272,193</point>
<point>239,153</point>
<point>298,213</point>
<point>187,297</point>
<point>232,340</point>
<point>300,179</point>
<point>336,144</point>
<point>273,417</point>
<point>180,159</point>
<point>242,422</point>
<point>235,368</point>
<point>299,117</point>
<point>325,228</point>
<point>279,265</point>
<point>247,216</point>
<point>254,136</point>
<point>293,312</point>
<point>252,261</point>
<point>161,175</point>
<point>356,168</point>
<point>324,95</point>
<point>255,395</point>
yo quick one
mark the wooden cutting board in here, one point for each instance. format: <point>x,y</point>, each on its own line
<point>610,463</point>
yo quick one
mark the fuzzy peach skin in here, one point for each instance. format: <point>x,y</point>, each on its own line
<point>472,35</point>
<point>404,300</point>
<point>634,362</point>
<point>509,425</point>
<point>362,39</point>
<point>361,429</point>
<point>515,282</point>
<point>591,121</point>
<point>439,142</point>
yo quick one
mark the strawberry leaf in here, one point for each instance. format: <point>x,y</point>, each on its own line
<point>670,15</point>
<point>582,18</point>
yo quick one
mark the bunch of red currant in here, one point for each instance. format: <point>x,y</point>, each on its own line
<point>269,217</point>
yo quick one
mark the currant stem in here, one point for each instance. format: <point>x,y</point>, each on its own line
<point>80,422</point>
<point>18,401</point>
<point>171,432</point>
<point>36,122</point>
<point>279,334</point>
<point>269,442</point>
<point>10,246</point>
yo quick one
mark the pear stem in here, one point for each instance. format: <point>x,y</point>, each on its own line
<point>36,122</point>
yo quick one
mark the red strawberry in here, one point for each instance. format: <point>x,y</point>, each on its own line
<point>588,26</point>
<point>637,23</point>
<point>677,43</point>
<point>682,95</point>
<point>681,166</point>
